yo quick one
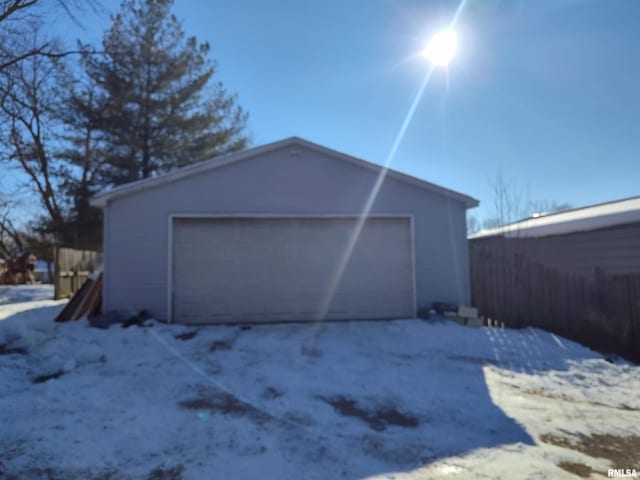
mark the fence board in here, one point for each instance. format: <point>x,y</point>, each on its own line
<point>600,311</point>
<point>72,267</point>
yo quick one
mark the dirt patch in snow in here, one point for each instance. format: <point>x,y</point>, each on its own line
<point>579,469</point>
<point>173,473</point>
<point>619,450</point>
<point>49,473</point>
<point>567,398</point>
<point>8,350</point>
<point>48,376</point>
<point>225,404</point>
<point>186,335</point>
<point>64,473</point>
<point>378,419</point>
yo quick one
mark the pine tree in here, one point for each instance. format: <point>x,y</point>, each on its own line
<point>162,108</point>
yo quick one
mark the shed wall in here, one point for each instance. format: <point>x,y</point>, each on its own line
<point>307,183</point>
<point>614,250</point>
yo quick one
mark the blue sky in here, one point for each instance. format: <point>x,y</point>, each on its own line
<point>544,91</point>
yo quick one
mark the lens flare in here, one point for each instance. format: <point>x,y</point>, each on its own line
<point>442,48</point>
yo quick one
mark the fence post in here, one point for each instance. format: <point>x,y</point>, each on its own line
<point>56,269</point>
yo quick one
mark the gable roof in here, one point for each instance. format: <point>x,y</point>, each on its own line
<point>592,217</point>
<point>101,199</point>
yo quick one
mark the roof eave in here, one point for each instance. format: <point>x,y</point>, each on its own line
<point>101,199</point>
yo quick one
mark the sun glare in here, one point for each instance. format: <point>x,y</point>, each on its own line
<point>442,48</point>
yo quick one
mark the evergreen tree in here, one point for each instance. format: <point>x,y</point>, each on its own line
<point>162,109</point>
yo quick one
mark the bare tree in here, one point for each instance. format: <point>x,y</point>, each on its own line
<point>544,207</point>
<point>509,203</point>
<point>17,18</point>
<point>26,105</point>
<point>34,142</point>
<point>512,204</point>
<point>473,225</point>
<point>11,241</point>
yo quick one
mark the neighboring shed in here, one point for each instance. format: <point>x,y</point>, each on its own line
<point>604,236</point>
<point>276,233</point>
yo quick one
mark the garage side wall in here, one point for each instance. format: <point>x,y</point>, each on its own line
<point>304,182</point>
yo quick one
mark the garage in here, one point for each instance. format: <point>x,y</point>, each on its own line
<point>267,235</point>
<point>247,269</point>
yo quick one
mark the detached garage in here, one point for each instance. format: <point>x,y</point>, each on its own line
<point>277,233</point>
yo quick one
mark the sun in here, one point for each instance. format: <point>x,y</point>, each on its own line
<point>442,48</point>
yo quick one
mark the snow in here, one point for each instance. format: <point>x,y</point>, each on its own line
<point>255,403</point>
<point>576,220</point>
<point>25,293</point>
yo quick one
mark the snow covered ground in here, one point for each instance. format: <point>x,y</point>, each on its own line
<point>407,399</point>
<point>25,293</point>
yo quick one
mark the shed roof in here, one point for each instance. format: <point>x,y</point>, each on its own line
<point>101,199</point>
<point>592,217</point>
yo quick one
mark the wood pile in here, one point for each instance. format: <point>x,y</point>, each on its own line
<point>87,301</point>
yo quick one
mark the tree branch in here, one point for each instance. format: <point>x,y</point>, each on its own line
<point>41,52</point>
<point>15,6</point>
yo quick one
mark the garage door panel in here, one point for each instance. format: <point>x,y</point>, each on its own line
<point>258,269</point>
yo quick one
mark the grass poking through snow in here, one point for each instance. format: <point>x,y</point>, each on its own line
<point>620,450</point>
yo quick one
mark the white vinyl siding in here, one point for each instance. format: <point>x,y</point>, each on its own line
<point>138,243</point>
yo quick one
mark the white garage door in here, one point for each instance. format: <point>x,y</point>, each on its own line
<point>286,269</point>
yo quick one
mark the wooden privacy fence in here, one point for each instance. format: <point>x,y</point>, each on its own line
<point>601,312</point>
<point>72,267</point>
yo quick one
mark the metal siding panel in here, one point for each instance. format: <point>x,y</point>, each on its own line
<point>614,249</point>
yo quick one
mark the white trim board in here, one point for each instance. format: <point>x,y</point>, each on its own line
<point>105,260</point>
<point>583,219</point>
